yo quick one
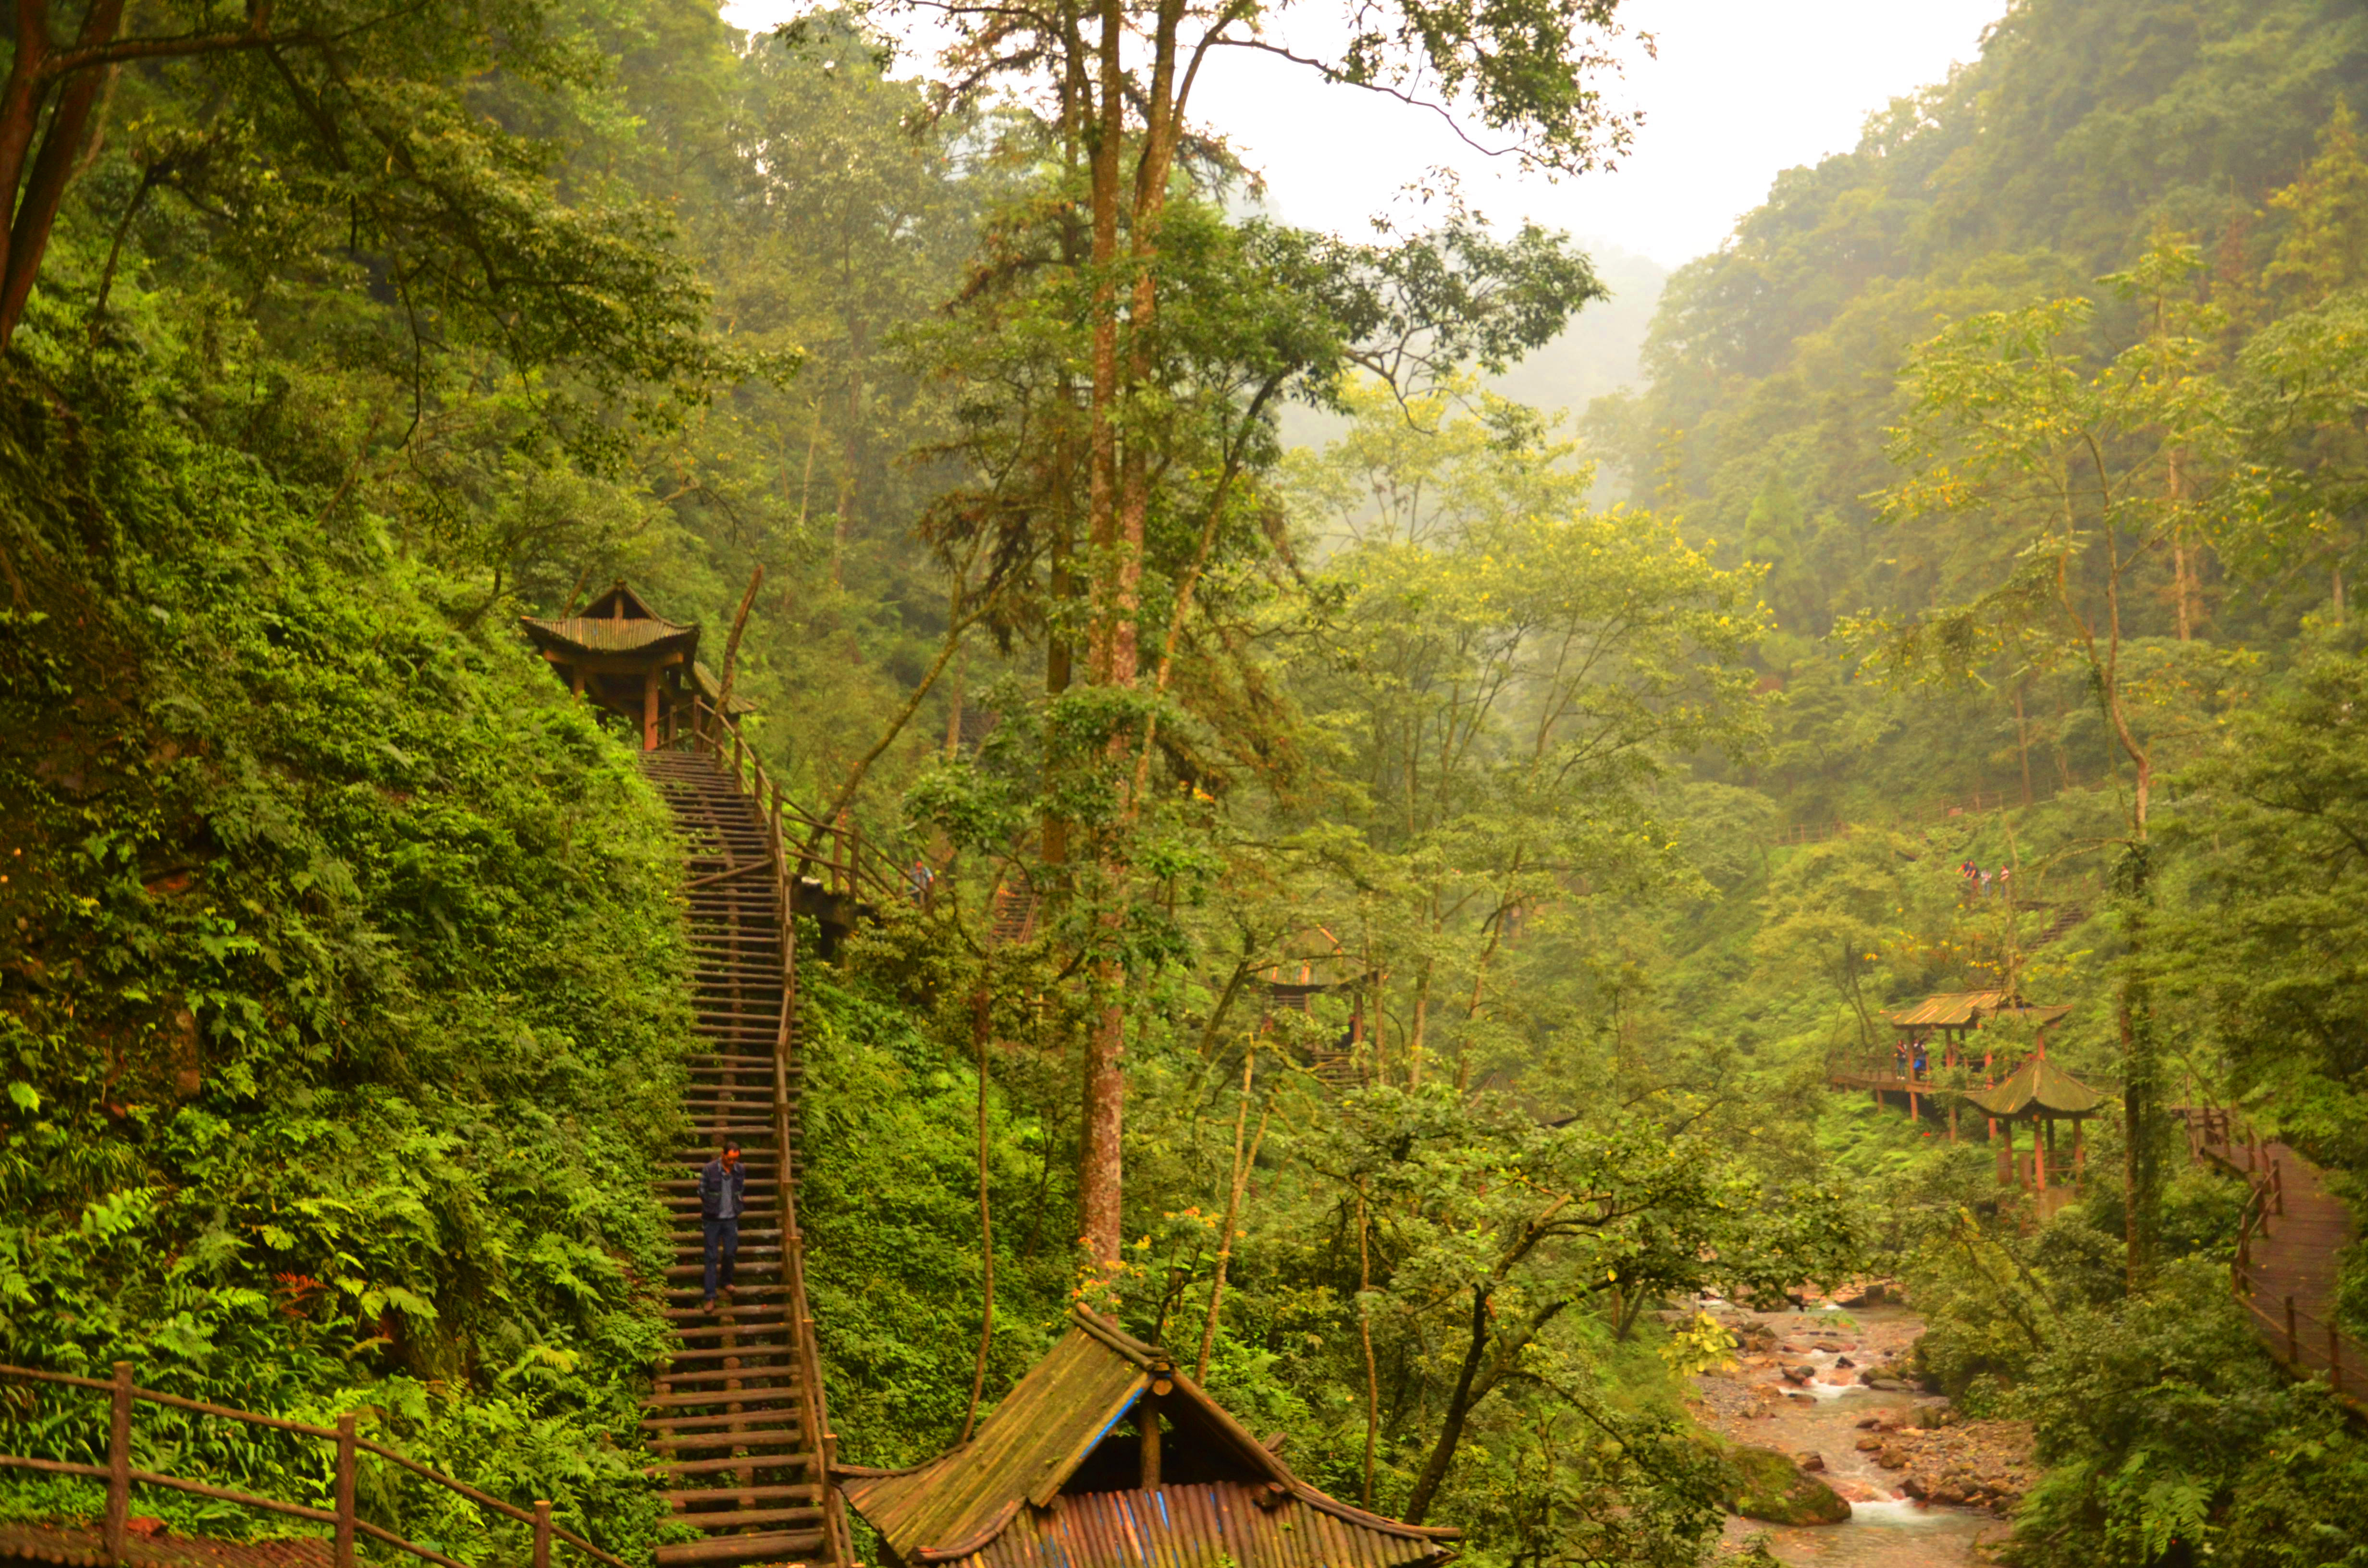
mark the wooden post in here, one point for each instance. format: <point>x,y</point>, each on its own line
<point>542,1532</point>
<point>650,708</point>
<point>2294,1339</point>
<point>2080,1161</point>
<point>345,1455</point>
<point>2009,1175</point>
<point>2039,1160</point>
<point>118,1460</point>
<point>1147,1417</point>
<point>2278,1183</point>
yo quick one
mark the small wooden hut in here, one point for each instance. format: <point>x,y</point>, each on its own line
<point>2042,1093</point>
<point>629,659</point>
<point>1105,1456</point>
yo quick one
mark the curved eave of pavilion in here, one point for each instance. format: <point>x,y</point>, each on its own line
<point>584,637</point>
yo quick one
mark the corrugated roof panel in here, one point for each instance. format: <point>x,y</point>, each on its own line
<point>1207,1525</point>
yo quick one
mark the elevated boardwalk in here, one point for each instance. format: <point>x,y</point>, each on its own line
<point>2286,1251</point>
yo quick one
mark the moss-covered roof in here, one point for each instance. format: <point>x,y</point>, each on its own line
<point>1956,1009</point>
<point>2038,1088</point>
<point>1004,1499</point>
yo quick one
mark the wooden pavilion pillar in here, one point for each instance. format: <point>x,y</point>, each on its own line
<point>650,708</point>
<point>2009,1175</point>
<point>2079,1165</point>
<point>2039,1152</point>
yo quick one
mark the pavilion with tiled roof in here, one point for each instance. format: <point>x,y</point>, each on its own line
<point>2042,1093</point>
<point>629,659</point>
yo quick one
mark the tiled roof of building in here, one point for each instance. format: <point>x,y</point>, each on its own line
<point>616,622</point>
<point>1956,1009</point>
<point>2038,1088</point>
<point>998,1501</point>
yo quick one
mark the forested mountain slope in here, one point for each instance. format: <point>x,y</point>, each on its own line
<point>341,974</point>
<point>2039,411</point>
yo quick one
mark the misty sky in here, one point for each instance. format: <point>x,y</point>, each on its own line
<point>1742,89</point>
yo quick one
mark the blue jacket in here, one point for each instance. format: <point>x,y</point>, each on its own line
<point>720,1190</point>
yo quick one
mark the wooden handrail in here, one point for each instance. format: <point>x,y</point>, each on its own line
<point>343,1518</point>
<point>845,870</point>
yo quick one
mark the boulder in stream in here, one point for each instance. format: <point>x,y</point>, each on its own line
<point>1768,1486</point>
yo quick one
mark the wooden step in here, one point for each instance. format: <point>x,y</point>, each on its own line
<point>722,1427</point>
<point>802,1458</point>
<point>737,1517</point>
<point>795,1547</point>
<point>775,1393</point>
<point>753,1493</point>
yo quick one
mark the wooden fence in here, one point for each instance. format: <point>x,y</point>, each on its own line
<point>344,1519</point>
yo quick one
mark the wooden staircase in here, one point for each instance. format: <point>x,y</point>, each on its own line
<point>737,1419</point>
<point>2068,917</point>
<point>1015,908</point>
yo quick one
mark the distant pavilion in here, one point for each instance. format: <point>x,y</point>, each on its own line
<point>1939,1034</point>
<point>630,660</point>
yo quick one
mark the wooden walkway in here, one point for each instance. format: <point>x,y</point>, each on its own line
<point>738,1417</point>
<point>2286,1253</point>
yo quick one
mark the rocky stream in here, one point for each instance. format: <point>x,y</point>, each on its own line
<point>1826,1388</point>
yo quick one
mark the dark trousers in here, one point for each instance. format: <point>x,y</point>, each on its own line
<point>722,1240</point>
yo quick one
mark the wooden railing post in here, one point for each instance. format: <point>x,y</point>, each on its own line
<point>118,1460</point>
<point>2294,1339</point>
<point>346,1490</point>
<point>542,1532</point>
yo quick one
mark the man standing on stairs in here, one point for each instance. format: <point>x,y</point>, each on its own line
<point>722,1191</point>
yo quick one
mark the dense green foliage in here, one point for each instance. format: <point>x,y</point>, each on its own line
<point>343,1014</point>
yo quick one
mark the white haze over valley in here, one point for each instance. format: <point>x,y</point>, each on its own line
<point>1741,91</point>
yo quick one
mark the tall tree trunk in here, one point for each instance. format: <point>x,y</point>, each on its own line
<point>1459,1408</point>
<point>732,643</point>
<point>62,145</point>
<point>1365,1337</point>
<point>2022,738</point>
<point>1109,660</point>
<point>982,1018</point>
<point>1241,1175</point>
<point>2133,1017</point>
